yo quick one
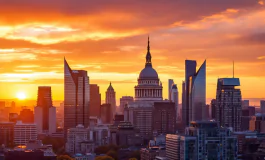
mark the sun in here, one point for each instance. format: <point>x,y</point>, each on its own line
<point>21,95</point>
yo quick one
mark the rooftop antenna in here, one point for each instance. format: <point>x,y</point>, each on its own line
<point>233,69</point>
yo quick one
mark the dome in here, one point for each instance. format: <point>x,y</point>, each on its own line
<point>148,72</point>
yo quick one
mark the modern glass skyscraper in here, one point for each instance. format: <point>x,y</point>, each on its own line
<point>195,92</point>
<point>76,97</point>
<point>228,103</point>
<point>197,97</point>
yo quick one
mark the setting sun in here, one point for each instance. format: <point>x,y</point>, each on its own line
<point>21,95</point>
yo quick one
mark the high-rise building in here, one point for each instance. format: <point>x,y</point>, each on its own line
<point>2,104</point>
<point>170,84</point>
<point>228,103</point>
<point>111,98</point>
<point>183,105</point>
<point>7,133</point>
<point>124,100</point>
<point>95,100</point>
<point>164,119</point>
<point>245,104</point>
<point>195,92</point>
<point>76,97</point>
<point>45,113</point>
<point>262,106</point>
<point>13,117</point>
<point>257,123</point>
<point>23,132</point>
<point>213,108</point>
<point>106,113</point>
<point>202,140</point>
<point>26,116</point>
<point>175,98</point>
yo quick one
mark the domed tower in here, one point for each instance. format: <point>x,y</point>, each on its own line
<point>148,88</point>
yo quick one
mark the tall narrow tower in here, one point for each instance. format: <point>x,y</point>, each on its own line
<point>76,97</point>
<point>111,98</point>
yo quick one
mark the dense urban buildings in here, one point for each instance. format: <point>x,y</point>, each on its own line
<point>262,106</point>
<point>202,140</point>
<point>174,96</point>
<point>245,104</point>
<point>257,123</point>
<point>124,100</point>
<point>164,118</point>
<point>95,100</point>
<point>23,132</point>
<point>195,92</point>
<point>111,98</point>
<point>76,97</point>
<point>6,133</point>
<point>106,113</point>
<point>45,112</point>
<point>228,103</point>
<point>26,116</point>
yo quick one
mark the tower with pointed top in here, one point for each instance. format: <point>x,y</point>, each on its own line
<point>76,97</point>
<point>111,98</point>
<point>149,87</point>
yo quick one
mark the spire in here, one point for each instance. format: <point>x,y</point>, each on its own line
<point>110,87</point>
<point>148,55</point>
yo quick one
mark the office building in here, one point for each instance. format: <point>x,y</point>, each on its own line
<point>164,119</point>
<point>228,103</point>
<point>195,92</point>
<point>257,123</point>
<point>245,119</point>
<point>106,113</point>
<point>127,135</point>
<point>13,117</point>
<point>7,133</point>
<point>175,98</point>
<point>111,98</point>
<point>95,100</point>
<point>26,116</point>
<point>262,106</point>
<point>45,113</point>
<point>124,100</point>
<point>183,101</point>
<point>202,140</point>
<point>213,108</point>
<point>245,104</point>
<point>23,132</point>
<point>149,87</point>
<point>170,84</point>
<point>76,97</point>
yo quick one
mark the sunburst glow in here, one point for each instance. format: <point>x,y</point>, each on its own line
<point>21,95</point>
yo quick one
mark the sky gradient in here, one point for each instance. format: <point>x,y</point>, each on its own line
<point>109,40</point>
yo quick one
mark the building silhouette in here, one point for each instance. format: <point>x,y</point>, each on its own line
<point>195,92</point>
<point>106,113</point>
<point>111,98</point>
<point>76,97</point>
<point>26,116</point>
<point>23,132</point>
<point>262,106</point>
<point>95,100</point>
<point>170,84</point>
<point>45,112</point>
<point>7,133</point>
<point>228,103</point>
<point>124,100</point>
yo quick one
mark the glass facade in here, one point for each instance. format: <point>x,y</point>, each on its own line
<point>197,86</point>
<point>76,97</point>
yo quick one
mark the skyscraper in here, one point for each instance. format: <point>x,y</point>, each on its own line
<point>26,116</point>
<point>262,106</point>
<point>228,103</point>
<point>195,92</point>
<point>175,98</point>
<point>124,100</point>
<point>76,97</point>
<point>95,100</point>
<point>44,112</point>
<point>213,108</point>
<point>183,105</point>
<point>170,84</point>
<point>111,98</point>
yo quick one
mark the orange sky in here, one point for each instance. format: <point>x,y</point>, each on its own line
<point>108,39</point>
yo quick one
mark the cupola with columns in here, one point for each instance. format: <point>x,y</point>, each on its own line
<point>149,87</point>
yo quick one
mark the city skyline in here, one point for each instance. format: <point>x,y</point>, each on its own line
<point>32,49</point>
